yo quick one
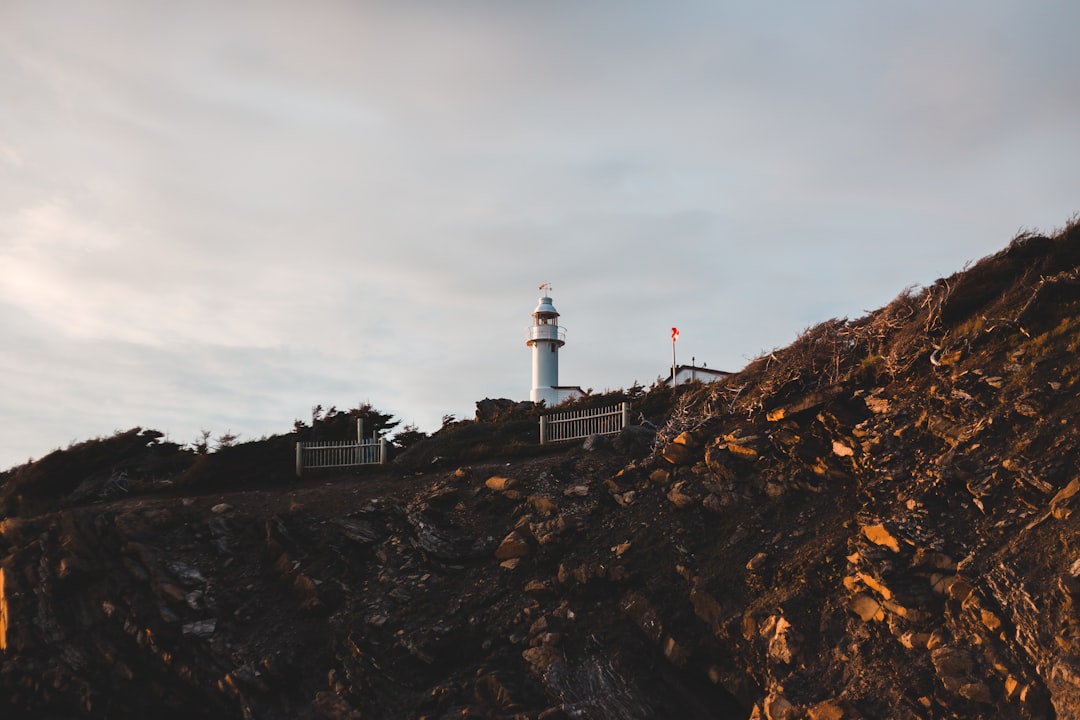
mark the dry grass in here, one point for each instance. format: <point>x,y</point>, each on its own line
<point>1033,285</point>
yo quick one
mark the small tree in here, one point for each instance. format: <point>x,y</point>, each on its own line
<point>375,422</point>
<point>408,436</point>
<point>226,439</point>
<point>334,424</point>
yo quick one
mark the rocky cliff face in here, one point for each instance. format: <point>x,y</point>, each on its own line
<point>878,521</point>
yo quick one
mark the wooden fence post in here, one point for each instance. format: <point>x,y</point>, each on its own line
<point>299,459</point>
<point>383,450</point>
<point>543,429</point>
<point>625,414</point>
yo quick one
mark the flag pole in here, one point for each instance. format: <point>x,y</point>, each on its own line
<point>674,337</point>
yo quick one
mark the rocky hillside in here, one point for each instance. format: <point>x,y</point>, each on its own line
<point>878,521</point>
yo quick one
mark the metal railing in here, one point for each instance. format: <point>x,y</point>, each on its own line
<point>578,424</point>
<point>337,454</point>
<point>545,332</point>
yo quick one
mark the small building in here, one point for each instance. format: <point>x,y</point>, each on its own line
<point>690,373</point>
<point>568,392</point>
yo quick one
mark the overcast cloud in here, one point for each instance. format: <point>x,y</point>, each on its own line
<point>217,215</point>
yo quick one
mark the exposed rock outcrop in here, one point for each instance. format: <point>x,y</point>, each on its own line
<point>878,521</point>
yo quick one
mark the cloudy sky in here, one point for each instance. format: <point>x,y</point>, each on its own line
<point>217,215</point>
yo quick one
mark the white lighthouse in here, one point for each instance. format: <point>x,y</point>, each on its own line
<point>545,338</point>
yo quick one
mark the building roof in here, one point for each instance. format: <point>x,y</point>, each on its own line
<point>545,307</point>
<point>697,372</point>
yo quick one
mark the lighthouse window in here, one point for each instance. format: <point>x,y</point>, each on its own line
<point>552,348</point>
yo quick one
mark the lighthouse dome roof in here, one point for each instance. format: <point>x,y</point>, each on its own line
<point>544,306</point>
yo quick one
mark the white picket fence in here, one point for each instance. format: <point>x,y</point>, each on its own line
<point>578,424</point>
<point>337,454</point>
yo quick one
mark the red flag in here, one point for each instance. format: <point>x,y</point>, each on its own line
<point>674,334</point>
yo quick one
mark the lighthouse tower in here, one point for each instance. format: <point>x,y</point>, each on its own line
<point>545,338</point>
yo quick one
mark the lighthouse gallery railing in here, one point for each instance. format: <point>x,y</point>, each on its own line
<point>578,424</point>
<point>545,332</point>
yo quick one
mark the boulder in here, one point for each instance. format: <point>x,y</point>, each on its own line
<point>635,439</point>
<point>677,453</point>
<point>542,504</point>
<point>512,546</point>
<point>867,608</point>
<point>841,450</point>
<point>678,498</point>
<point>687,438</point>
<point>596,442</point>
<point>878,535</point>
<point>499,483</point>
<point>538,587</point>
<point>831,709</point>
<point>784,641</point>
<point>660,476</point>
<point>743,452</point>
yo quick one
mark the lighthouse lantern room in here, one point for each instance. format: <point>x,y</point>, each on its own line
<point>545,337</point>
